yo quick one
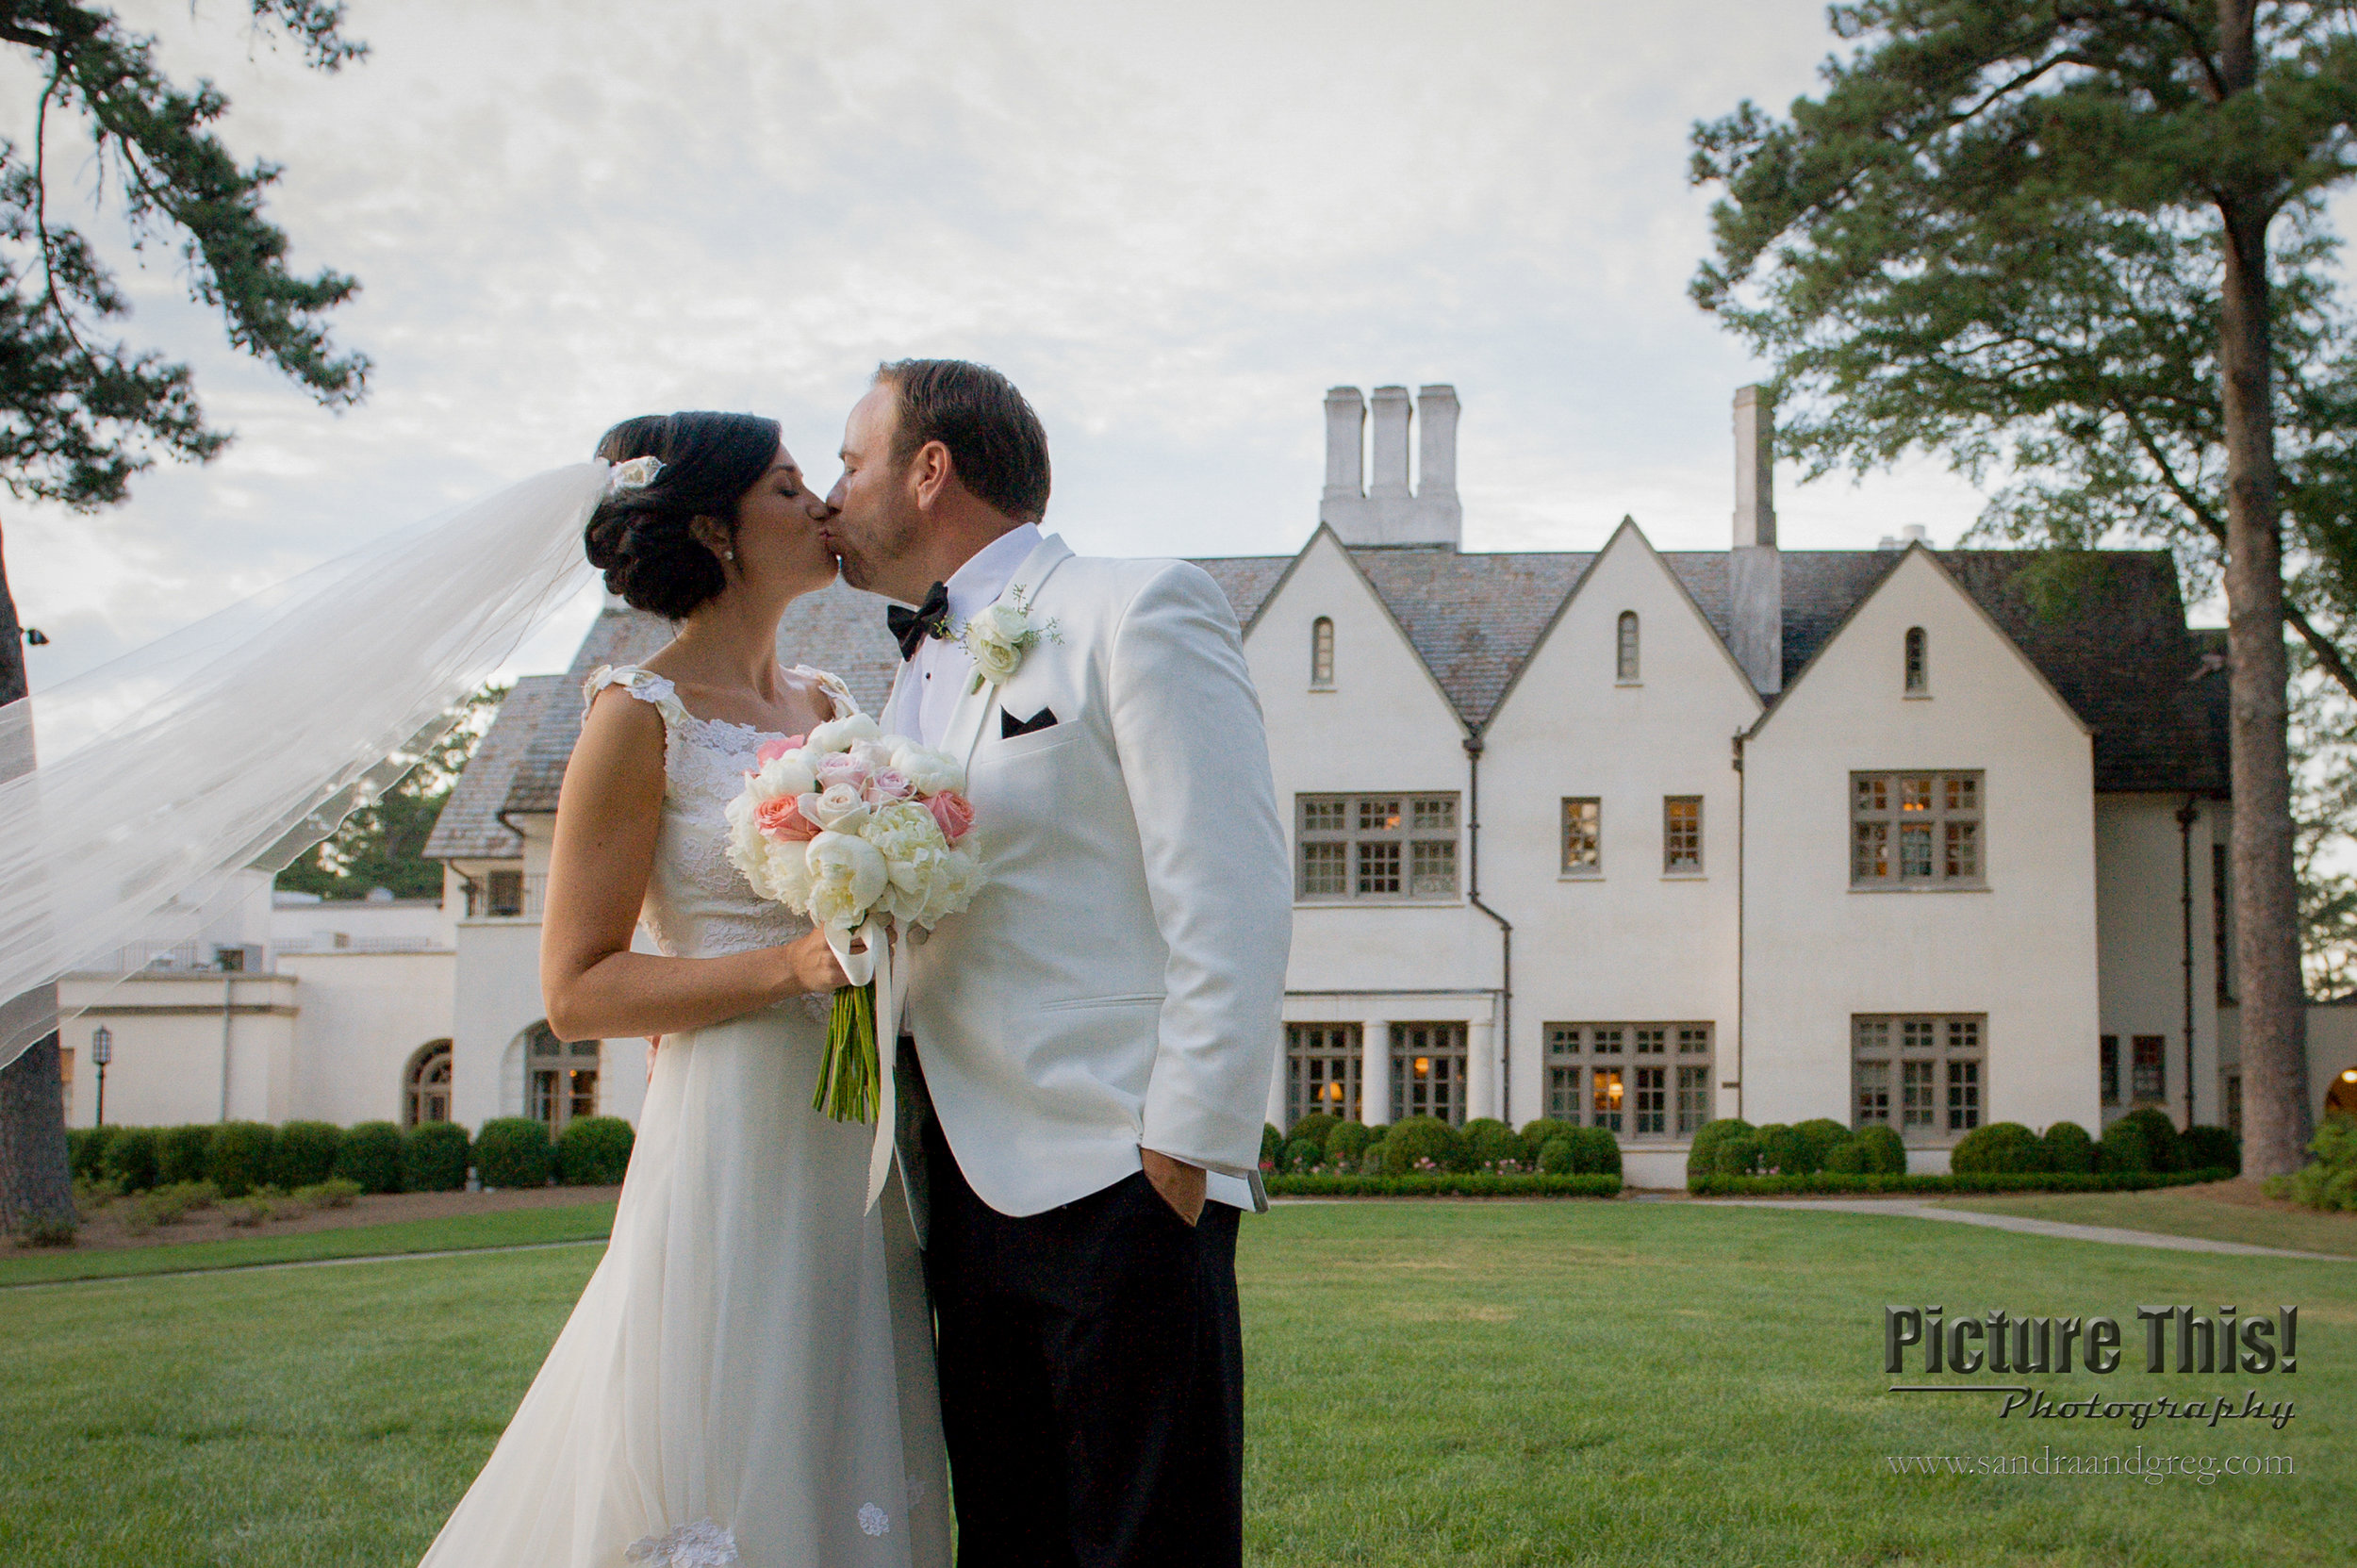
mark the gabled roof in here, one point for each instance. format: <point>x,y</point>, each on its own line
<point>2110,638</point>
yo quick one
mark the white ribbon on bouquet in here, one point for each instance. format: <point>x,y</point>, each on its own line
<point>873,960</point>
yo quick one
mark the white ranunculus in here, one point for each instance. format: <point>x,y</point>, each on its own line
<point>928,771</point>
<point>837,735</point>
<point>788,773</point>
<point>847,876</point>
<point>838,809</point>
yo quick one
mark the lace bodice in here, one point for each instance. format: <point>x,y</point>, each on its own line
<point>698,904</point>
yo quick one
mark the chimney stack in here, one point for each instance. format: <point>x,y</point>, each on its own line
<point>1754,569</point>
<point>1386,512</point>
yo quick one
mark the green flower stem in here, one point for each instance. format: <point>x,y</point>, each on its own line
<point>848,1079</point>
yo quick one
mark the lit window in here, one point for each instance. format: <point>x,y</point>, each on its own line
<point>1916,829</point>
<point>1647,1080</point>
<point>1322,652</point>
<point>1429,1071</point>
<point>1682,832</point>
<point>1919,664</point>
<point>1583,837</point>
<point>1322,1063</point>
<point>1376,846</point>
<point>1625,663</point>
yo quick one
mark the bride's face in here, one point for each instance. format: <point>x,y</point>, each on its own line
<point>778,540</point>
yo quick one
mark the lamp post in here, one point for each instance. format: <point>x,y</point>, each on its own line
<point>102,1051</point>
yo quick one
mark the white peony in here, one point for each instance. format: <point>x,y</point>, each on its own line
<point>847,876</point>
<point>928,771</point>
<point>788,773</point>
<point>837,735</point>
<point>838,808</point>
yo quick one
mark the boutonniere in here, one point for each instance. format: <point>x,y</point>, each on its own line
<point>1000,636</point>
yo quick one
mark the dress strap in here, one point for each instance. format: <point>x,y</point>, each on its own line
<point>829,682</point>
<point>645,685</point>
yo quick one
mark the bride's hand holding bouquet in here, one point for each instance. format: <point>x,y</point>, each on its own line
<point>863,833</point>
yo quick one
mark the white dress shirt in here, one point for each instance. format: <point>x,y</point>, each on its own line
<point>941,669</point>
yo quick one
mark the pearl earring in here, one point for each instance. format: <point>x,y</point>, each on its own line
<point>727,554</point>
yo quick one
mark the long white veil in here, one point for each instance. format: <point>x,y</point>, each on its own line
<point>244,739</point>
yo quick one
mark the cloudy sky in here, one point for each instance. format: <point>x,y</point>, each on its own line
<point>1174,226</point>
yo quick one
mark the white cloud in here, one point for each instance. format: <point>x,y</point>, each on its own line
<point>1175,227</point>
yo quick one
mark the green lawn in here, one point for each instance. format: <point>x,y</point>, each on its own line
<point>2182,1212</point>
<point>1430,1383</point>
<point>511,1228</point>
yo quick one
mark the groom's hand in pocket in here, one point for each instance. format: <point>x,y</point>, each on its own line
<point>1180,1183</point>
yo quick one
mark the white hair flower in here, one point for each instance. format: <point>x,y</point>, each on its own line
<point>636,474</point>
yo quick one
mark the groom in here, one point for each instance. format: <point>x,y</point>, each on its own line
<point>1097,1031</point>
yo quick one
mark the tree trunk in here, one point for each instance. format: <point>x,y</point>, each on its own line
<point>36,1188</point>
<point>2273,1013</point>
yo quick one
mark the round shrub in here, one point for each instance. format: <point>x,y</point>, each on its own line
<point>2138,1142</point>
<point>2069,1150</point>
<point>2210,1148</point>
<point>185,1154</point>
<point>1313,1126</point>
<point>1271,1141</point>
<point>86,1151</point>
<point>131,1158</point>
<point>1371,1158</point>
<point>306,1153</point>
<point>1594,1151</point>
<point>434,1158</point>
<point>594,1152</point>
<point>1736,1156</point>
<point>244,1154</point>
<point>1819,1137</point>
<point>1557,1158</point>
<point>513,1151</point>
<point>1779,1149</point>
<point>370,1157</point>
<point>1999,1149</point>
<point>1846,1158</point>
<point>2160,1138</point>
<point>1538,1135</point>
<point>1488,1141</point>
<point>1300,1157</point>
<point>1882,1152</point>
<point>1702,1156</point>
<point>1348,1141</point>
<point>1422,1138</point>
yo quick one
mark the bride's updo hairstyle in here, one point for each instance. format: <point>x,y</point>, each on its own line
<point>642,537</point>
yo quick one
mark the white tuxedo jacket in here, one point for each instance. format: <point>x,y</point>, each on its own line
<point>1117,982</point>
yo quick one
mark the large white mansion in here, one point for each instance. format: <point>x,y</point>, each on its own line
<point>1623,836</point>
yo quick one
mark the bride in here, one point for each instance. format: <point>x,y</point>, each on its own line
<point>748,1375</point>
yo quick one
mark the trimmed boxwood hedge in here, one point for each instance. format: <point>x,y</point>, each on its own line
<point>130,1158</point>
<point>2069,1149</point>
<point>1468,1185</point>
<point>1422,1138</point>
<point>86,1151</point>
<point>1830,1184</point>
<point>593,1151</point>
<point>243,1155</point>
<point>1997,1148</point>
<point>370,1156</point>
<point>513,1151</point>
<point>185,1154</point>
<point>1313,1127</point>
<point>434,1157</point>
<point>1347,1142</point>
<point>306,1155</point>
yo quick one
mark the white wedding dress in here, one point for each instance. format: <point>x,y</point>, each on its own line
<point>748,1375</point>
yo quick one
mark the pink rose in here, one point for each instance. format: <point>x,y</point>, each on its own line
<point>782,820</point>
<point>772,750</point>
<point>953,811</point>
<point>842,768</point>
<point>885,785</point>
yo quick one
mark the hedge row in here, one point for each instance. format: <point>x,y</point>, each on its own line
<point>1825,1182</point>
<point>1446,1185</point>
<point>1321,1144</point>
<point>240,1157</point>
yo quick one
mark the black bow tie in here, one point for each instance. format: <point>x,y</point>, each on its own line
<point>909,627</point>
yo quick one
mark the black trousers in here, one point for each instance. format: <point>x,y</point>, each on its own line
<point>1092,1378</point>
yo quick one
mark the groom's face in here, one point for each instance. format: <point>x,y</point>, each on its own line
<point>877,518</point>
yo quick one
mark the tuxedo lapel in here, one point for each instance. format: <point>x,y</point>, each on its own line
<point>968,719</point>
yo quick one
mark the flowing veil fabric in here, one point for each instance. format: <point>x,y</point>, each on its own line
<point>242,740</point>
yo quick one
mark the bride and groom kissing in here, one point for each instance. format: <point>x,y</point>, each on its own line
<point>1038,1320</point>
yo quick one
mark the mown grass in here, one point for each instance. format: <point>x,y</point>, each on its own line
<point>1429,1384</point>
<point>508,1228</point>
<point>2186,1213</point>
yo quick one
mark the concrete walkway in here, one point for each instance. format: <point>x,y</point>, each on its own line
<point>304,1262</point>
<point>2027,1226</point>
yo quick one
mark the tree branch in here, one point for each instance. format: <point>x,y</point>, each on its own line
<point>40,219</point>
<point>2321,645</point>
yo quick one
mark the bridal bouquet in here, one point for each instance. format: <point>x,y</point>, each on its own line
<point>860,832</point>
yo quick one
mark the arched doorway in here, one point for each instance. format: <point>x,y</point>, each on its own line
<point>560,1079</point>
<point>426,1085</point>
<point>2341,1099</point>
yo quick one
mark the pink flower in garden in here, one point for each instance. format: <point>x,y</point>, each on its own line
<point>772,750</point>
<point>953,811</point>
<point>782,820</point>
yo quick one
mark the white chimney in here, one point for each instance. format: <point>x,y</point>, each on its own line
<point>1390,447</point>
<point>1754,569</point>
<point>1436,463</point>
<point>1386,511</point>
<point>1343,507</point>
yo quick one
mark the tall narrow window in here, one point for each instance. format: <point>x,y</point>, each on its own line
<point>1321,1070</point>
<point>1322,652</point>
<point>2108,1068</point>
<point>1583,837</point>
<point>1919,664</point>
<point>1429,1071</point>
<point>1682,832</point>
<point>2148,1079</point>
<point>2221,946</point>
<point>1625,663</point>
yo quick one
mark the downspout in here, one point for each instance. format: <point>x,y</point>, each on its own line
<point>1743,1019</point>
<point>2186,816</point>
<point>1505,926</point>
<point>228,1008</point>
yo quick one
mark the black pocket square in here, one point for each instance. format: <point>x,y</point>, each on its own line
<point>1009,726</point>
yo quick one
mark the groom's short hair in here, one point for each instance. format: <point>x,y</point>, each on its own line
<point>996,443</point>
